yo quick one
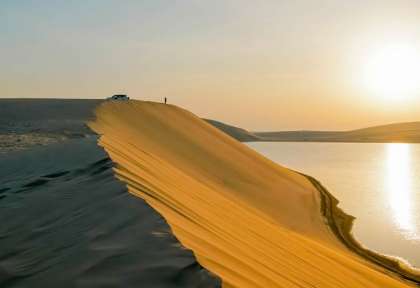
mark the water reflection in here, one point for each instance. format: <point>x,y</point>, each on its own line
<point>399,187</point>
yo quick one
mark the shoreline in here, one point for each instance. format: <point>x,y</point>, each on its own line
<point>341,225</point>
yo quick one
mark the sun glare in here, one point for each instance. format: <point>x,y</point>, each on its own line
<point>399,185</point>
<point>393,72</point>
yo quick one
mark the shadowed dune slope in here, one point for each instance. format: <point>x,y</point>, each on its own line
<point>67,222</point>
<point>248,220</point>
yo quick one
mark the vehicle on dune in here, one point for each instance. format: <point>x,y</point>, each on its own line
<point>120,97</point>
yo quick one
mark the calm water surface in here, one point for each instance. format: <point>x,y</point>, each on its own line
<point>379,184</point>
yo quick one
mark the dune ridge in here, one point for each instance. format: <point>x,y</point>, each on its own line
<point>248,220</point>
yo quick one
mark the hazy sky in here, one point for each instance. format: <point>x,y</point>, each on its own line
<point>261,65</point>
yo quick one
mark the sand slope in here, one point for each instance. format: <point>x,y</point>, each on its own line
<point>66,221</point>
<point>250,221</point>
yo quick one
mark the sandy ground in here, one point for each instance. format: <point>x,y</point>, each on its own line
<point>25,123</point>
<point>68,222</point>
<point>247,219</point>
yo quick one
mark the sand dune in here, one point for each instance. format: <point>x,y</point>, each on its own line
<point>248,220</point>
<point>236,132</point>
<point>408,132</point>
<point>66,221</point>
<point>399,132</point>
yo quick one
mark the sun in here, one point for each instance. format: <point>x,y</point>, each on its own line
<point>393,72</point>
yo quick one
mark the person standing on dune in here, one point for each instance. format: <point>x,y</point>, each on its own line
<point>166,100</point>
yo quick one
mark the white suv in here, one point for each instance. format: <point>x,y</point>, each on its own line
<point>120,97</point>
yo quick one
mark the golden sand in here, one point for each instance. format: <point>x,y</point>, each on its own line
<point>248,220</point>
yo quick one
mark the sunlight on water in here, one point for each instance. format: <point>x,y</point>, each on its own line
<point>399,187</point>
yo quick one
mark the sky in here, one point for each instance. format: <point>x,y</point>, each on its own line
<point>261,65</point>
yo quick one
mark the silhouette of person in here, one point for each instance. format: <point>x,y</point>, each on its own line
<point>166,100</point>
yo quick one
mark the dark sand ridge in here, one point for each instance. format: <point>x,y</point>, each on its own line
<point>250,221</point>
<point>68,222</point>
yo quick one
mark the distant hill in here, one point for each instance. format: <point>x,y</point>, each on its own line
<point>235,132</point>
<point>408,132</point>
<point>399,132</point>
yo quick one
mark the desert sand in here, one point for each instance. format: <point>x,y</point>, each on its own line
<point>248,220</point>
<point>27,123</point>
<point>66,221</point>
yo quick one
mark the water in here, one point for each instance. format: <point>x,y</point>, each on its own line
<point>379,184</point>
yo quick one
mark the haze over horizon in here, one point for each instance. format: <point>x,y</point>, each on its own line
<point>278,65</point>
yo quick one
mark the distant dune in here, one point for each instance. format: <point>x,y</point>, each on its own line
<point>247,219</point>
<point>237,133</point>
<point>399,132</point>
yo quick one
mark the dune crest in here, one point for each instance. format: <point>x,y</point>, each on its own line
<point>248,220</point>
